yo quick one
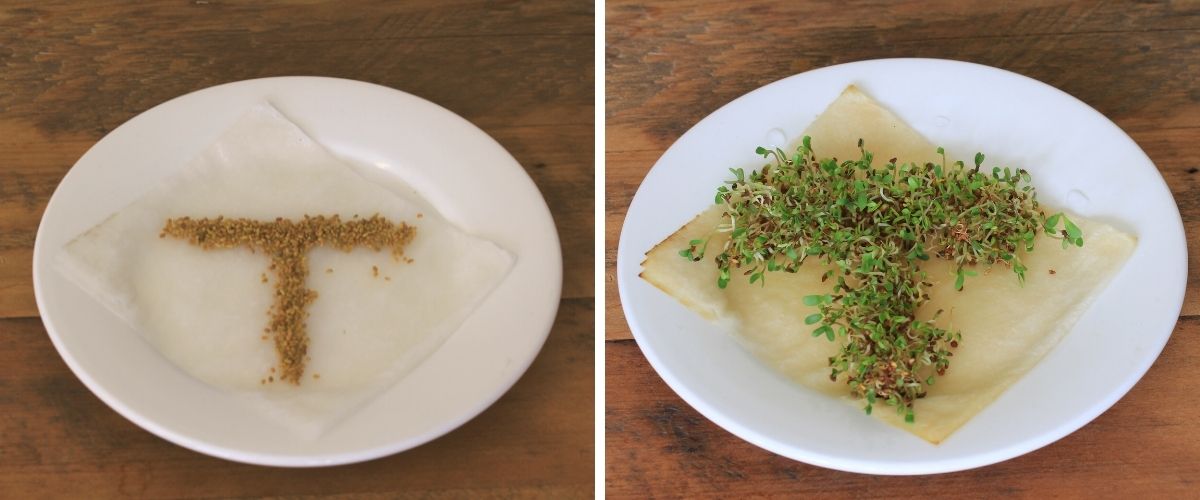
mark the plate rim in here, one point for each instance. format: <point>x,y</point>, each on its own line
<point>626,273</point>
<point>539,331</point>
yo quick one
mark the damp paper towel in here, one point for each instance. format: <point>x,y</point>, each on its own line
<point>206,310</point>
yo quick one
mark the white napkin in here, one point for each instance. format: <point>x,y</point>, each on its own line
<point>206,310</point>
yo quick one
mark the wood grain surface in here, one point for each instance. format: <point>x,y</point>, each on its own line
<point>72,71</point>
<point>670,64</point>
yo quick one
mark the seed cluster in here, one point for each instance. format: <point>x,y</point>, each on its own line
<point>875,226</point>
<point>288,242</point>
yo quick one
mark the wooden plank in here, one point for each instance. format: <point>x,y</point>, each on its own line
<point>657,446</point>
<point>565,178</point>
<point>58,440</point>
<point>1174,150</point>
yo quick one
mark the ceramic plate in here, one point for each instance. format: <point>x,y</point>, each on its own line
<point>392,138</point>
<point>1079,160</point>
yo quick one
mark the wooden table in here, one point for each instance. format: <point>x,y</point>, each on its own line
<point>670,65</point>
<point>70,72</point>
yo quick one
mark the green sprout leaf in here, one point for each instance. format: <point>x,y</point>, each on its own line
<point>1051,225</point>
<point>1073,231</point>
<point>723,279</point>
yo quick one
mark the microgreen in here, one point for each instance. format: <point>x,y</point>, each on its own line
<point>874,226</point>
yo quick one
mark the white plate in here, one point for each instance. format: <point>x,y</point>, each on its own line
<point>1078,158</point>
<point>389,136</point>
